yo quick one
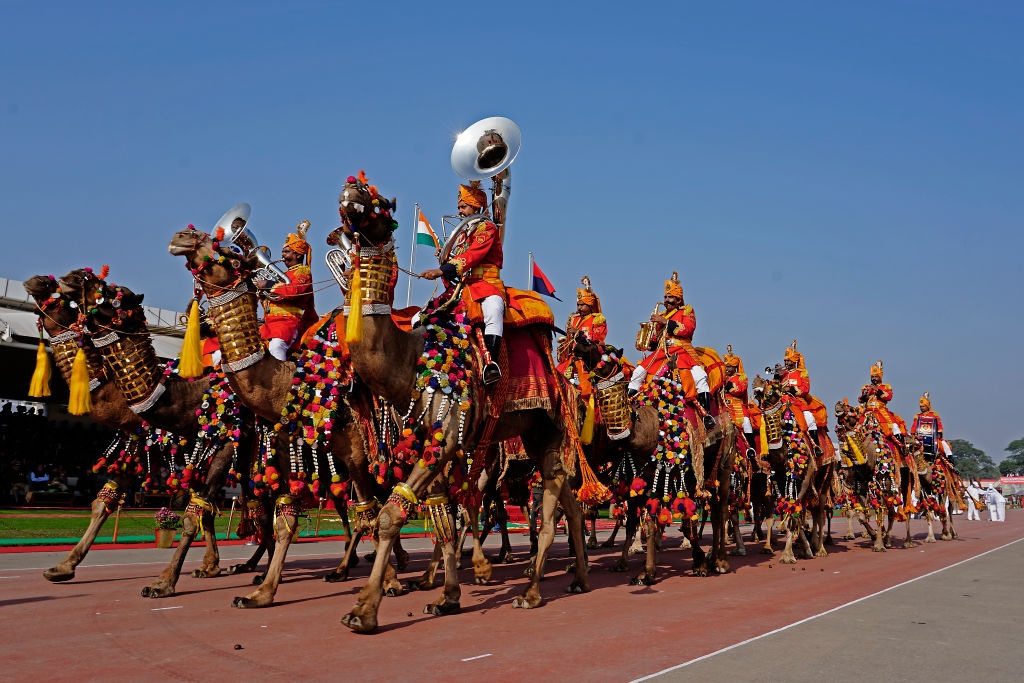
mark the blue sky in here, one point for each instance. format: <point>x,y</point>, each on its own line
<point>846,174</point>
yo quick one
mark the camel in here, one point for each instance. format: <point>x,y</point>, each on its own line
<point>108,406</point>
<point>128,345</point>
<point>386,358</point>
<point>873,474</point>
<point>263,383</point>
<point>936,479</point>
<point>810,491</point>
<point>638,437</point>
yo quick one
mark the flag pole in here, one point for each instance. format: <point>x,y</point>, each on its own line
<point>412,251</point>
<point>529,279</point>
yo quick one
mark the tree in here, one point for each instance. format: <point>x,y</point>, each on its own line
<point>972,462</point>
<point>1013,463</point>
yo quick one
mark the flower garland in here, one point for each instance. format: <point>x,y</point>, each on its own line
<point>788,505</point>
<point>311,409</point>
<point>443,372</point>
<point>881,490</point>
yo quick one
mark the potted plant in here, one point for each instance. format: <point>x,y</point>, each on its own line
<point>167,523</point>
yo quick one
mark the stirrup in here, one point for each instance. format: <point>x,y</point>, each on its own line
<point>492,374</point>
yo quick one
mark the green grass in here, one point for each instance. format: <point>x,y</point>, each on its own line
<point>28,527</point>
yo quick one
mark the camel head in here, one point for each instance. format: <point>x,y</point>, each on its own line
<point>593,355</point>
<point>364,213</point>
<point>207,260</point>
<point>106,307</point>
<point>54,309</point>
<point>767,392</point>
<point>847,416</point>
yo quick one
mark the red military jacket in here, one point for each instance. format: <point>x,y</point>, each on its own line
<point>289,316</point>
<point>477,258</point>
<point>593,325</point>
<point>677,337</point>
<point>736,397</point>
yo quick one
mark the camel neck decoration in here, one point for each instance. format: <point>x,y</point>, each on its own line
<point>134,366</point>
<point>65,345</point>
<point>378,273</point>
<point>233,314</point>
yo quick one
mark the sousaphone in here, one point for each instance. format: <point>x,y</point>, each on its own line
<point>482,151</point>
<point>242,240</point>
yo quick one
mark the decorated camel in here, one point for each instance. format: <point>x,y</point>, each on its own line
<point>803,473</point>
<point>432,377</point>
<point>873,474</point>
<point>116,327</point>
<point>58,315</point>
<point>939,492</point>
<point>268,387</point>
<point>672,463</point>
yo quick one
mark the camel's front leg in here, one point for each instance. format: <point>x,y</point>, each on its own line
<point>822,515</point>
<point>164,584</point>
<point>930,538</point>
<point>615,531</point>
<point>65,569</point>
<point>850,533</point>
<point>362,618</point>
<point>787,553</point>
<point>580,582</point>
<point>647,576</point>
<point>285,529</point>
<point>737,537</point>
<point>552,490</point>
<point>210,566</point>
<point>448,601</point>
<point>350,558</point>
<point>481,565</point>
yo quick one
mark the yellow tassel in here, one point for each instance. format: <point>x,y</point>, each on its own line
<point>80,403</point>
<point>191,362</point>
<point>40,384</point>
<point>354,323</point>
<point>587,433</point>
<point>763,440</point>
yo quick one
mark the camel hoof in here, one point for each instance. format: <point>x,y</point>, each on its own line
<point>849,537</point>
<point>821,553</point>
<point>443,608</point>
<point>930,540</point>
<point>356,623</point>
<point>910,544</point>
<point>402,559</point>
<point>767,551</point>
<point>722,567</point>
<point>335,577</point>
<point>480,580</point>
<point>700,571</point>
<point>370,557</point>
<point>422,585</point>
<point>244,568</point>
<point>240,602</point>
<point>392,592</point>
<point>877,549</point>
<point>947,537</point>
<point>528,572</point>
<point>505,558</point>
<point>641,580</point>
<point>828,540</point>
<point>158,591</point>
<point>522,602</point>
<point>577,587</point>
<point>620,566</point>
<point>592,543</point>
<point>741,552</point>
<point>354,561</point>
<point>55,575</point>
<point>608,544</point>
<point>788,560</point>
<point>206,573</point>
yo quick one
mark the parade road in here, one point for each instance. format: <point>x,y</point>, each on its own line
<point>942,611</point>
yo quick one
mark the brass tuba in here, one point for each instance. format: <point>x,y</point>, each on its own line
<point>646,333</point>
<point>243,241</point>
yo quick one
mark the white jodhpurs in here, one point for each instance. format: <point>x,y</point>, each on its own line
<point>896,428</point>
<point>811,424</point>
<point>1001,511</point>
<point>972,510</point>
<point>215,358</point>
<point>700,379</point>
<point>278,348</point>
<point>493,308</point>
<point>747,427</point>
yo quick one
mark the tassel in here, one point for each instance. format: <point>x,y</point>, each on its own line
<point>354,323</point>
<point>40,384</point>
<point>587,433</point>
<point>80,402</point>
<point>191,363</point>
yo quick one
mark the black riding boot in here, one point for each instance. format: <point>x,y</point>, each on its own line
<point>747,438</point>
<point>492,373</point>
<point>813,433</point>
<point>704,399</point>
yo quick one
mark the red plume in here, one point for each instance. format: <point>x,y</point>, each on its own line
<point>104,271</point>
<point>219,235</point>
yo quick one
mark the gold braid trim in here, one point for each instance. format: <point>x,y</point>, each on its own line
<point>64,356</point>
<point>378,273</point>
<point>134,366</point>
<point>237,328</point>
<point>615,410</point>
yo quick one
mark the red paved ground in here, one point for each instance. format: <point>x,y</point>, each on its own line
<point>98,626</point>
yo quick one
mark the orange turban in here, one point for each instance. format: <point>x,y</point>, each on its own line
<point>672,286</point>
<point>925,402</point>
<point>734,361</point>
<point>792,354</point>
<point>473,196</point>
<point>585,295</point>
<point>876,369</point>
<point>297,242</point>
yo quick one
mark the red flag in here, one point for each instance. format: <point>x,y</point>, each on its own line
<point>541,283</point>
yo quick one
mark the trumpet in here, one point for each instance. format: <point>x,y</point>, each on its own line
<point>646,334</point>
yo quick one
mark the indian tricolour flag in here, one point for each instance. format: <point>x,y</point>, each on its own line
<point>424,235</point>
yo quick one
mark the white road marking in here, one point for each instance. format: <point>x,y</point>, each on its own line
<point>469,659</point>
<point>158,609</point>
<point>820,614</point>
